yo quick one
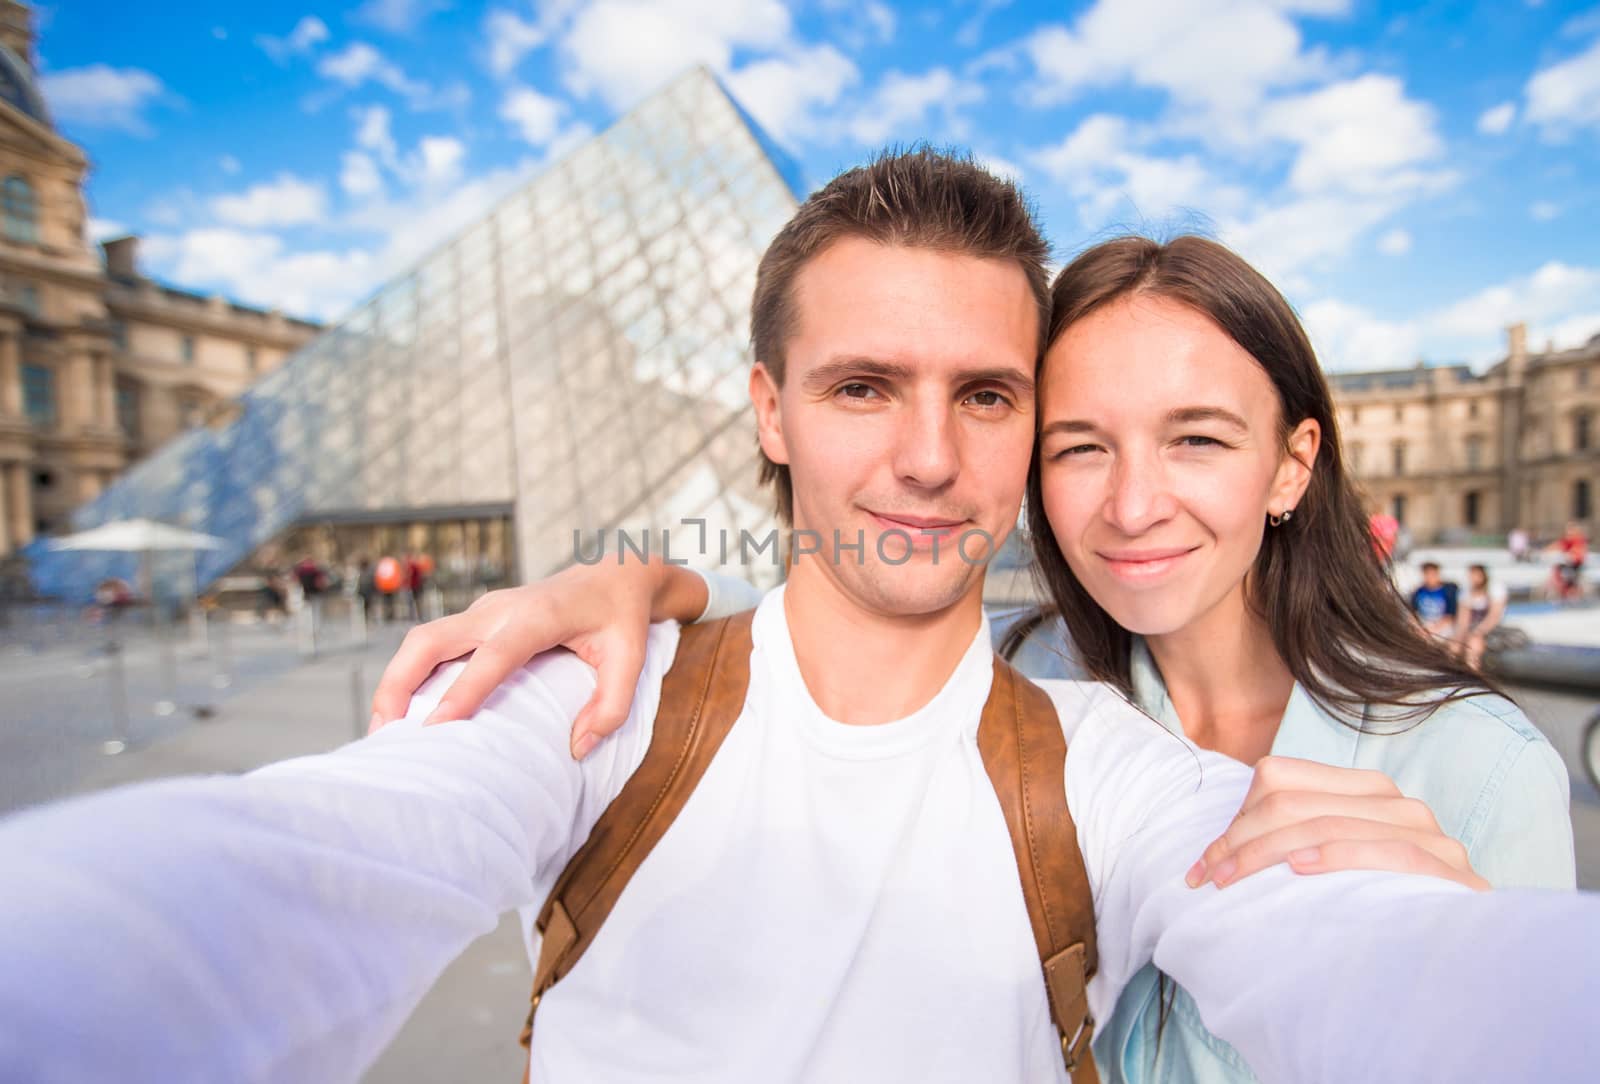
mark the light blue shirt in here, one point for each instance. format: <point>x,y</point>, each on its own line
<point>1491,779</point>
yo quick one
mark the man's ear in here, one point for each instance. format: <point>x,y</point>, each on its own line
<point>1294,473</point>
<point>769,415</point>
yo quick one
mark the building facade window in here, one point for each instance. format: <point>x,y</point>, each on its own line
<point>1397,508</point>
<point>119,336</point>
<point>39,394</point>
<point>186,349</point>
<point>1472,408</point>
<point>252,361</point>
<point>1474,453</point>
<point>1581,506</point>
<point>28,298</point>
<point>1399,413</point>
<point>1469,508</point>
<point>21,210</point>
<point>128,408</point>
<point>1580,431</point>
<point>1399,458</point>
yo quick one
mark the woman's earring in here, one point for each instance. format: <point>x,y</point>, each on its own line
<point>1278,521</point>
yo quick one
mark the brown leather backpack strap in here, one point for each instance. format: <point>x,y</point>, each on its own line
<point>1025,755</point>
<point>702,697</point>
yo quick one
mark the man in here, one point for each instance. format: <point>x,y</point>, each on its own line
<point>1435,602</point>
<point>839,899</point>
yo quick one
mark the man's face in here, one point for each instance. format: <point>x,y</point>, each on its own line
<point>905,417</point>
<point>1431,577</point>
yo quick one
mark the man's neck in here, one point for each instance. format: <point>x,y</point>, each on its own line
<point>866,668</point>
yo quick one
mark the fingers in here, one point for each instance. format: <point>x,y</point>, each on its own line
<point>1330,835</point>
<point>423,648</point>
<point>1391,855</point>
<point>489,665</point>
<point>1283,808</point>
<point>1274,774</point>
<point>618,667</point>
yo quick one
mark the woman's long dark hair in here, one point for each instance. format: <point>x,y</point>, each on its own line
<point>1334,614</point>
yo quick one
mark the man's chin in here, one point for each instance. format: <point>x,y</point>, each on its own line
<point>909,591</point>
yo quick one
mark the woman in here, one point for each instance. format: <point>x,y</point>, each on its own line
<point>1194,525</point>
<point>1485,608</point>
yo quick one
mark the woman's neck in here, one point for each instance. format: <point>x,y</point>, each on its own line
<point>1226,680</point>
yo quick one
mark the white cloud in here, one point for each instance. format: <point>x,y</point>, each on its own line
<point>436,163</point>
<point>1218,55</point>
<point>1348,337</point>
<point>229,164</point>
<point>104,229</point>
<point>1543,210</point>
<point>307,34</point>
<point>785,92</point>
<point>1396,242</point>
<point>536,117</point>
<point>899,107</point>
<point>1566,95</point>
<point>624,49</point>
<point>255,268</point>
<point>100,96</point>
<point>398,16</point>
<point>1498,120</point>
<point>1361,136</point>
<point>360,63</point>
<point>510,39</point>
<point>359,175</point>
<point>1557,302</point>
<point>373,133</point>
<point>1001,167</point>
<point>1109,177</point>
<point>284,201</point>
<point>857,25</point>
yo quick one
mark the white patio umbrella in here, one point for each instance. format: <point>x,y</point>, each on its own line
<point>137,536</point>
<point>145,537</point>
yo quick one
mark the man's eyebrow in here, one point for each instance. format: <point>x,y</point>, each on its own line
<point>831,372</point>
<point>1182,415</point>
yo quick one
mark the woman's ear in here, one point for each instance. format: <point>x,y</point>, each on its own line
<point>1294,473</point>
<point>769,417</point>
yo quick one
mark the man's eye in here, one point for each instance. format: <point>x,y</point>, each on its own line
<point>857,391</point>
<point>988,398</point>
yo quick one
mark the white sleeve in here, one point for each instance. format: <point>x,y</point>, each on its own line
<point>726,595</point>
<point>283,924</point>
<point>1337,977</point>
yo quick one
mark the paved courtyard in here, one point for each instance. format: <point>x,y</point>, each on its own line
<point>58,698</point>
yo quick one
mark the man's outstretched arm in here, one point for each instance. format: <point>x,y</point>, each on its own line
<point>1336,977</point>
<point>283,924</point>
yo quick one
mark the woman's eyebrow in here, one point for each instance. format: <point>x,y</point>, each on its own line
<point>1069,425</point>
<point>1182,415</point>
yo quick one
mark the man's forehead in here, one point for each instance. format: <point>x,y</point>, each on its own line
<point>912,307</point>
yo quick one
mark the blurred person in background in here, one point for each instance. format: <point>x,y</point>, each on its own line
<point>1435,602</point>
<point>1518,544</point>
<point>1566,577</point>
<point>1485,607</point>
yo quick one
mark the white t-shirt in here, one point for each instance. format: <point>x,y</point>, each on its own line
<point>834,903</point>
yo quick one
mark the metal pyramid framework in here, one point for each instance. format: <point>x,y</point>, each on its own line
<point>579,356</point>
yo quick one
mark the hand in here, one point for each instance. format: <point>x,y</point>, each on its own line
<point>602,613</point>
<point>1320,819</point>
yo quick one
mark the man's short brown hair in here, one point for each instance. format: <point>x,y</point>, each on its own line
<point>920,198</point>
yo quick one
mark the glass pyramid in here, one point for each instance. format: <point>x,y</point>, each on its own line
<point>578,357</point>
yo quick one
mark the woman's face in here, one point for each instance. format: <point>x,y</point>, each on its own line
<point>1161,458</point>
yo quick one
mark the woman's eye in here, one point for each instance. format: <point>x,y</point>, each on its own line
<point>1197,441</point>
<point>1073,450</point>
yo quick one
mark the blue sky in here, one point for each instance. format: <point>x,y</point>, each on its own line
<point>1414,177</point>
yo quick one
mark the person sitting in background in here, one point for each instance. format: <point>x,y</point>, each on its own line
<point>1517,544</point>
<point>1434,603</point>
<point>1566,578</point>
<point>1485,608</point>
